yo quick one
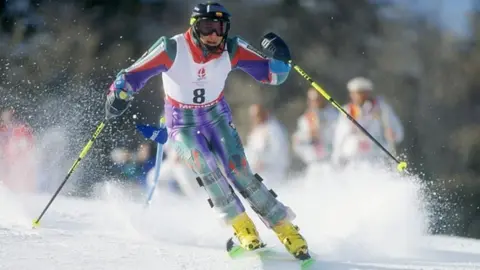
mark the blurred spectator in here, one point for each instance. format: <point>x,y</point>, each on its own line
<point>267,146</point>
<point>375,115</point>
<point>313,138</point>
<point>134,166</point>
<point>17,153</point>
<point>19,19</point>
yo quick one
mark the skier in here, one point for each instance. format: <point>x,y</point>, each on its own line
<point>378,118</point>
<point>194,67</point>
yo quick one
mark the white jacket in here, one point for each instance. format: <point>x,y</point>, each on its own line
<point>324,124</point>
<point>268,144</point>
<point>350,143</point>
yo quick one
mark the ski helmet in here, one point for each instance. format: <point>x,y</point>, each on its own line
<point>207,18</point>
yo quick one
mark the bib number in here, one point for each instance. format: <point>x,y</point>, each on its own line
<point>199,96</point>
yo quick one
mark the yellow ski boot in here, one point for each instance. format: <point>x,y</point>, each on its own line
<point>246,232</point>
<point>293,241</point>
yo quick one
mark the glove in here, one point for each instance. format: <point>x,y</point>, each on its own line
<point>118,99</point>
<point>156,134</point>
<point>117,103</point>
<point>274,47</point>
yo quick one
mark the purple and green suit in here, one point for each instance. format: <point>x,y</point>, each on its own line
<point>206,139</point>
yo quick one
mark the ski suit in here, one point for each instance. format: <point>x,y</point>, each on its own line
<point>199,119</point>
<point>174,171</point>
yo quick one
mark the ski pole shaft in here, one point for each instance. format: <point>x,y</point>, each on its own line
<point>83,153</point>
<point>158,160</point>
<point>158,163</point>
<point>401,165</point>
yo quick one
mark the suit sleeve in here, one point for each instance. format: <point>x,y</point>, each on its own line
<point>159,58</point>
<point>264,70</point>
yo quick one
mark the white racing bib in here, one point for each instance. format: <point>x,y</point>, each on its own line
<point>194,85</point>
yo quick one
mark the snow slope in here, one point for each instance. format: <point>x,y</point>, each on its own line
<point>358,219</point>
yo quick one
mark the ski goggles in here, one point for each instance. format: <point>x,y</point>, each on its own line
<point>208,26</point>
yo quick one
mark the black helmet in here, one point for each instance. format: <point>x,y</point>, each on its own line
<point>207,18</point>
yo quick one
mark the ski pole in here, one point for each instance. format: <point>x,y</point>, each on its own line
<point>401,165</point>
<point>158,163</point>
<point>84,152</point>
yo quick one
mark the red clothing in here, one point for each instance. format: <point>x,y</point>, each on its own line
<point>16,140</point>
<point>197,52</point>
<point>17,157</point>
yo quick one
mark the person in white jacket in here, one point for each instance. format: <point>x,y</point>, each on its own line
<point>312,140</point>
<point>267,145</point>
<point>376,116</point>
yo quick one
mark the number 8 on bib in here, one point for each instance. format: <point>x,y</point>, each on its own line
<point>199,96</point>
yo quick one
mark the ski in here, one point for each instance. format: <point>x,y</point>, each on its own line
<point>235,251</point>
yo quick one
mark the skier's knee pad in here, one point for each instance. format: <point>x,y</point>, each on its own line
<point>221,195</point>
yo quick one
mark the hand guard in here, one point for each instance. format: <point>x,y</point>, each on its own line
<point>273,46</point>
<point>118,99</point>
<point>156,134</point>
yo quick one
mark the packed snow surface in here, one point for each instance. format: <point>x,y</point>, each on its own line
<point>361,218</point>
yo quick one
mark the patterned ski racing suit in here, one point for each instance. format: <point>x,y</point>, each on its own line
<point>199,119</point>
